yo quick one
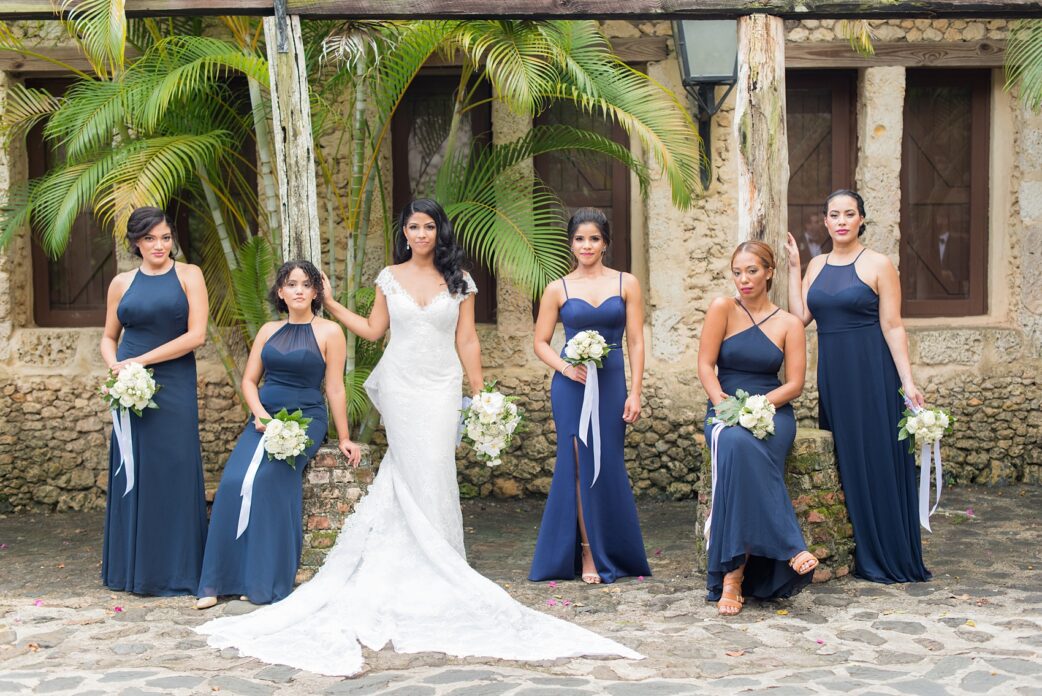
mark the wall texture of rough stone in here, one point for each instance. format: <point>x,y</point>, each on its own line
<point>984,368</point>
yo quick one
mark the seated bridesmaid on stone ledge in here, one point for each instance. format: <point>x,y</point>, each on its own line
<point>755,544</point>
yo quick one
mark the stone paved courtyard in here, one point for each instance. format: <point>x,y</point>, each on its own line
<point>976,628</point>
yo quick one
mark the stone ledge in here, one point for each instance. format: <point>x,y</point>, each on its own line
<point>812,478</point>
<point>332,488</point>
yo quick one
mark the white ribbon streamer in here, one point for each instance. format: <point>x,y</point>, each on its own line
<point>590,416</point>
<point>125,442</point>
<point>462,420</point>
<point>925,511</point>
<point>247,487</point>
<point>714,437</point>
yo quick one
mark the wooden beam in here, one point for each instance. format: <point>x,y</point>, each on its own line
<point>789,9</point>
<point>18,63</point>
<point>759,128</point>
<point>294,144</point>
<point>837,54</point>
<point>428,9</point>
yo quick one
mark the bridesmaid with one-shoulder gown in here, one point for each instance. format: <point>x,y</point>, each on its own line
<point>608,511</point>
<point>155,527</point>
<point>261,561</point>
<point>755,548</point>
<point>859,398</point>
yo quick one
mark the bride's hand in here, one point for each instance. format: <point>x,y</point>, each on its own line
<point>351,450</point>
<point>327,296</point>
<point>631,411</point>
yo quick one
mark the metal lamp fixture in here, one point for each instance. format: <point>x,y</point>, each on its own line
<point>708,55</point>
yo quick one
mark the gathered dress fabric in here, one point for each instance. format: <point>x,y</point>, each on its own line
<point>262,563</point>
<point>752,512</point>
<point>154,534</point>
<point>860,403</point>
<point>609,511</point>
<point>398,573</point>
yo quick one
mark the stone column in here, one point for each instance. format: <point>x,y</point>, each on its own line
<point>880,124</point>
<point>763,148</point>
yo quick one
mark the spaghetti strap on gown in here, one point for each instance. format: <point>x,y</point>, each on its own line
<point>752,511</point>
<point>860,403</point>
<point>609,512</point>
<point>398,573</point>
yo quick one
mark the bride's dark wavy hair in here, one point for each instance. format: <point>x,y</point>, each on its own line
<point>448,255</point>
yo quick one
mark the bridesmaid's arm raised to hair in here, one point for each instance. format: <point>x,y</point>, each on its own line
<point>634,345</point>
<point>546,320</point>
<point>468,346</point>
<point>795,349</point>
<point>251,376</point>
<point>336,355</point>
<point>799,284</point>
<point>113,329</point>
<point>714,328</point>
<point>371,328</point>
<point>191,279</point>
<point>889,289</point>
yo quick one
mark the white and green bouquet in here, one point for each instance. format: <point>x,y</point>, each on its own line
<point>286,436</point>
<point>132,389</point>
<point>924,426</point>
<point>586,346</point>
<point>489,422</point>
<point>753,412</point>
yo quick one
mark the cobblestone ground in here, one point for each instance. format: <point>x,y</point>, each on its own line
<point>976,628</point>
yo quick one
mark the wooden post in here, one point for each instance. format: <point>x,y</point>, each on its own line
<point>763,150</point>
<point>294,145</point>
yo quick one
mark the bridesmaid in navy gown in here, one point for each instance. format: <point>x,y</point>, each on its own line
<point>154,532</point>
<point>756,548</point>
<point>855,296</point>
<point>591,528</point>
<point>295,357</point>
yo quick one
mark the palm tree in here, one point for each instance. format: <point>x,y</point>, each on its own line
<point>1024,61</point>
<point>170,125</point>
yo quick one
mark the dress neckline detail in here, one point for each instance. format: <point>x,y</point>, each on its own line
<point>844,265</point>
<point>568,298</point>
<point>401,289</point>
<point>141,270</point>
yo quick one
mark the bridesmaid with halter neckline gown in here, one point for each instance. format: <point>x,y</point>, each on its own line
<point>855,296</point>
<point>755,545</point>
<point>591,528</point>
<point>155,527</point>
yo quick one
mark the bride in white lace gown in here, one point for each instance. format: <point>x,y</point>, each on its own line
<point>398,573</point>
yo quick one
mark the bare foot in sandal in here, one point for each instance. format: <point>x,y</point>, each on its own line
<point>590,575</point>
<point>731,599</point>
<point>803,562</point>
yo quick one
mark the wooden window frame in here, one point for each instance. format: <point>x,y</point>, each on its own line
<point>980,152</point>
<point>44,315</point>
<point>439,81</point>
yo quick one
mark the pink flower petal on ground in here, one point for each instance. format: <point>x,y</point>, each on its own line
<point>552,584</point>
<point>640,578</point>
<point>820,642</point>
<point>658,552</point>
<point>567,603</point>
<point>3,547</point>
<point>37,602</point>
<point>969,512</point>
<point>117,609</point>
<point>551,602</point>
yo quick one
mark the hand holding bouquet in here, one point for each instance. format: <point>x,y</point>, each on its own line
<point>754,413</point>
<point>586,346</point>
<point>489,423</point>
<point>286,436</point>
<point>924,426</point>
<point>132,388</point>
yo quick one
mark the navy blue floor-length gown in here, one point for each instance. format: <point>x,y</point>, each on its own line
<point>609,511</point>
<point>262,563</point>
<point>860,403</point>
<point>154,534</point>
<point>752,511</point>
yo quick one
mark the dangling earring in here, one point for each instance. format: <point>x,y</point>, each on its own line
<point>407,245</point>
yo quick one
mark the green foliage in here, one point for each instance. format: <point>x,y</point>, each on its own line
<point>251,280</point>
<point>1024,61</point>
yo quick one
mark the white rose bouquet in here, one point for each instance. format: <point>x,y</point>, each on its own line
<point>489,423</point>
<point>924,426</point>
<point>754,413</point>
<point>286,436</point>
<point>133,389</point>
<point>586,346</point>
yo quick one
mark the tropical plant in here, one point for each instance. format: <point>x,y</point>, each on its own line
<point>1024,61</point>
<point>171,124</point>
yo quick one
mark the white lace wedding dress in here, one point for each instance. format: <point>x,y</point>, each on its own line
<point>398,572</point>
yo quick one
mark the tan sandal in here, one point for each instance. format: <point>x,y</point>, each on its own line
<point>731,600</point>
<point>205,602</point>
<point>803,562</point>
<point>590,578</point>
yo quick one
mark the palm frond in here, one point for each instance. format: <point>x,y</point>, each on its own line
<point>92,112</point>
<point>513,55</point>
<point>358,404</point>
<point>23,108</point>
<point>152,173</point>
<point>251,281</point>
<point>15,212</point>
<point>1024,61</point>
<point>859,33</point>
<point>100,26</point>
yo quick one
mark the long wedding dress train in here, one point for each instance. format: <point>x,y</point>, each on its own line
<point>398,572</point>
